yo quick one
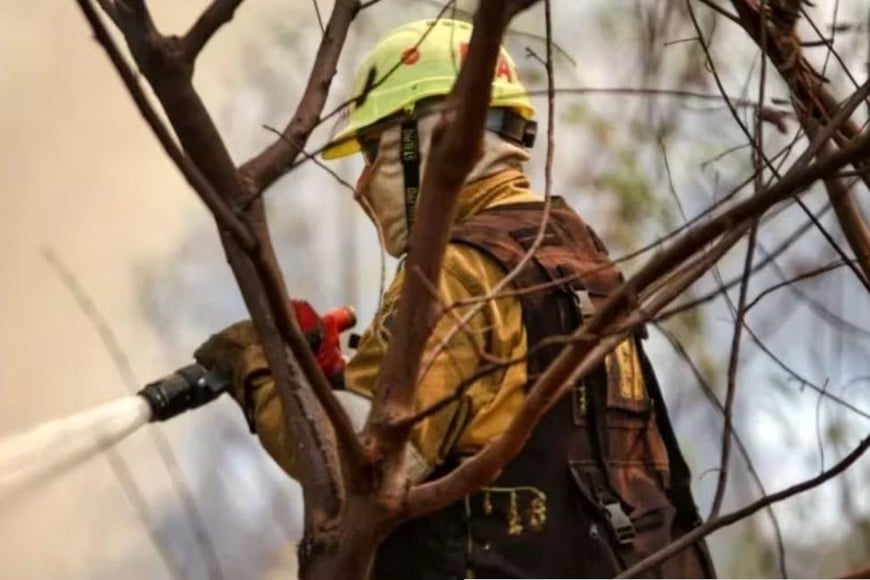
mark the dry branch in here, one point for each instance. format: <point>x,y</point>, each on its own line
<point>505,282</point>
<point>454,150</point>
<point>216,15</point>
<point>219,208</point>
<point>264,169</point>
<point>815,106</point>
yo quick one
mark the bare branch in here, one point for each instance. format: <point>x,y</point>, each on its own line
<point>768,259</point>
<point>191,172</point>
<point>789,281</point>
<point>731,389</point>
<point>681,351</point>
<point>851,220</point>
<point>719,10</point>
<point>319,17</point>
<point>111,11</point>
<point>814,106</point>
<point>261,171</point>
<point>545,214</point>
<point>727,429</point>
<point>815,146</point>
<point>803,381</point>
<point>209,22</point>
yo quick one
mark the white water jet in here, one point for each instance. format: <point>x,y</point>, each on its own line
<point>47,450</point>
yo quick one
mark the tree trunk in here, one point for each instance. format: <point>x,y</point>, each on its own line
<point>348,551</point>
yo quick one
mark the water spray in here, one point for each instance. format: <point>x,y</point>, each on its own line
<point>47,450</point>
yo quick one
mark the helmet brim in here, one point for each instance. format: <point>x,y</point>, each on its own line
<point>343,146</point>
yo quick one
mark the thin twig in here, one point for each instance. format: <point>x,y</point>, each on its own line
<point>281,156</point>
<point>319,17</point>
<point>798,233</point>
<point>719,10</point>
<point>817,144</point>
<point>803,381</point>
<point>254,266</point>
<point>734,356</point>
<point>789,281</point>
<point>111,10</point>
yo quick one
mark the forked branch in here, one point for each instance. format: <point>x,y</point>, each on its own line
<point>262,170</point>
<point>210,21</point>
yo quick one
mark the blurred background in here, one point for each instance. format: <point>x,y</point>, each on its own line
<point>82,177</point>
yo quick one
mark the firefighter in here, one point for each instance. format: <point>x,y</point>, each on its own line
<point>602,482</point>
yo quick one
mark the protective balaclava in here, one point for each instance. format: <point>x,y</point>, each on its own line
<point>382,185</point>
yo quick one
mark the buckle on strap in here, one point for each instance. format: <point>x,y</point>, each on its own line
<point>620,523</point>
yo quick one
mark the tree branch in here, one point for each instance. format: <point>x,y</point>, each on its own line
<point>545,214</point>
<point>216,15</point>
<point>169,74</point>
<point>683,354</point>
<point>261,171</point>
<point>108,7</point>
<point>219,208</point>
<point>814,105</point>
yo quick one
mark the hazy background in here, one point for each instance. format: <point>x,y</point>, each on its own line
<point>81,174</point>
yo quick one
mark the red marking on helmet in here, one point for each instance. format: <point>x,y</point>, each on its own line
<point>411,55</point>
<point>502,68</point>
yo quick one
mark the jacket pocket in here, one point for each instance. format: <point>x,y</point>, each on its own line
<point>630,433</point>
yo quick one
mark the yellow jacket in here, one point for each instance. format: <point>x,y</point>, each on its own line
<point>494,333</point>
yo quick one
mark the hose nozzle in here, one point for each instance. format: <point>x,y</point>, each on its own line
<point>186,389</point>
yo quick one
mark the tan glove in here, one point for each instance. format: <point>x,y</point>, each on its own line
<point>236,352</point>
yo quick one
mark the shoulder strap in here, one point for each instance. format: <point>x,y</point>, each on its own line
<point>570,253</point>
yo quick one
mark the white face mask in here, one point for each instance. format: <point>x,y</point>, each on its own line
<point>382,184</point>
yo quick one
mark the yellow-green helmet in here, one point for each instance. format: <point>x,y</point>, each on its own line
<point>417,70</point>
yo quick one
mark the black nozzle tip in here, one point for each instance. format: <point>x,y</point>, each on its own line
<point>186,389</point>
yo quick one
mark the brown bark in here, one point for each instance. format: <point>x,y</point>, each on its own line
<point>815,107</point>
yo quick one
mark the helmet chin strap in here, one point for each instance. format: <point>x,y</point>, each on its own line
<point>505,123</point>
<point>411,169</point>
